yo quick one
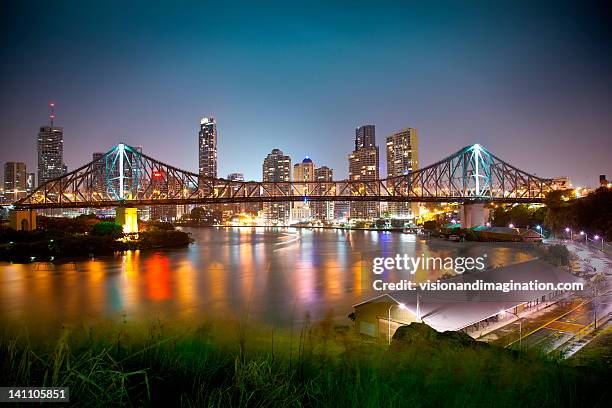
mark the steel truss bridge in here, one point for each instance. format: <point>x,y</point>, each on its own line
<point>126,177</point>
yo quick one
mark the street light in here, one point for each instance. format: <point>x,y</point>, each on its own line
<point>595,238</point>
<point>567,229</point>
<point>401,306</point>
<point>511,225</point>
<point>539,228</point>
<point>586,237</point>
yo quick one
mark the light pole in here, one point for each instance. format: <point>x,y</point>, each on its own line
<point>401,306</point>
<point>586,237</point>
<point>539,228</point>
<point>567,229</point>
<point>595,238</point>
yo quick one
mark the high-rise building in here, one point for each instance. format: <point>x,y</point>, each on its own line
<point>364,166</point>
<point>207,147</point>
<point>304,171</point>
<point>15,180</point>
<point>402,158</point>
<point>277,167</point>
<point>99,170</point>
<point>50,153</point>
<point>323,210</point>
<point>365,136</point>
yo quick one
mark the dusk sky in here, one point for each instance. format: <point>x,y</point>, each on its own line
<point>533,84</point>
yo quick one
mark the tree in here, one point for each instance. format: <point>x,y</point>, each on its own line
<point>107,229</point>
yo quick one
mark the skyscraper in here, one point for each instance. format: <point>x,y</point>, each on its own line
<point>277,167</point>
<point>365,136</point>
<point>99,169</point>
<point>15,180</point>
<point>50,153</point>
<point>364,166</point>
<point>402,158</point>
<point>207,147</point>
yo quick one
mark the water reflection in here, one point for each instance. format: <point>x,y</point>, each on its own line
<point>272,275</point>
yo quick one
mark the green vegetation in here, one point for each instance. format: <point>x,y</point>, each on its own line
<point>111,229</point>
<point>85,236</point>
<point>319,366</point>
<point>557,254</point>
<point>592,213</point>
<point>520,215</point>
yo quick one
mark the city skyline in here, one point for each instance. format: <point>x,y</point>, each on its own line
<point>475,87</point>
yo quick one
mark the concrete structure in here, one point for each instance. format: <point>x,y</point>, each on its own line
<point>402,158</point>
<point>22,220</point>
<point>128,218</point>
<point>207,147</point>
<point>277,167</point>
<point>50,147</point>
<point>474,312</point>
<point>364,164</point>
<point>15,180</point>
<point>473,215</point>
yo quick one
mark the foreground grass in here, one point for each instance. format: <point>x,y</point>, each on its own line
<point>317,365</point>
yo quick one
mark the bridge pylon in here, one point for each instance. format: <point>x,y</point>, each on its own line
<point>22,220</point>
<point>127,217</point>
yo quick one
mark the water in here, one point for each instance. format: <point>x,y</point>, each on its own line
<point>273,276</point>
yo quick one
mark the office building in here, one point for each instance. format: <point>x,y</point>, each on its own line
<point>277,167</point>
<point>15,180</point>
<point>50,148</point>
<point>364,164</point>
<point>207,147</point>
<point>402,158</point>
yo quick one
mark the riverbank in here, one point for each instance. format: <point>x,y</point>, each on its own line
<point>317,365</point>
<point>57,246</point>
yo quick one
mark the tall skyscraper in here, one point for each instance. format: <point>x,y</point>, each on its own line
<point>277,167</point>
<point>364,166</point>
<point>365,136</point>
<point>15,180</point>
<point>207,147</point>
<point>402,158</point>
<point>50,153</point>
<point>323,210</point>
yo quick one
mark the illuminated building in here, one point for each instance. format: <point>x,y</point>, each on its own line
<point>402,158</point>
<point>323,210</point>
<point>277,167</point>
<point>304,171</point>
<point>207,147</point>
<point>50,153</point>
<point>364,166</point>
<point>15,180</point>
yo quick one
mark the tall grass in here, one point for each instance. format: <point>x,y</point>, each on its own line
<point>318,365</point>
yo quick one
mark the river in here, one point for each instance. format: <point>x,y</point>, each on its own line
<point>273,276</point>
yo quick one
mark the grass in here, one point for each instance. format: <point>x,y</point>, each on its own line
<point>233,364</point>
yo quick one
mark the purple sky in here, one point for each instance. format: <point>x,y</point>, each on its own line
<point>532,84</point>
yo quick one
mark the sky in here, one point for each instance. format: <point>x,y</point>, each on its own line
<point>530,81</point>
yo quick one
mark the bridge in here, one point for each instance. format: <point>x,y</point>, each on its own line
<point>124,177</point>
